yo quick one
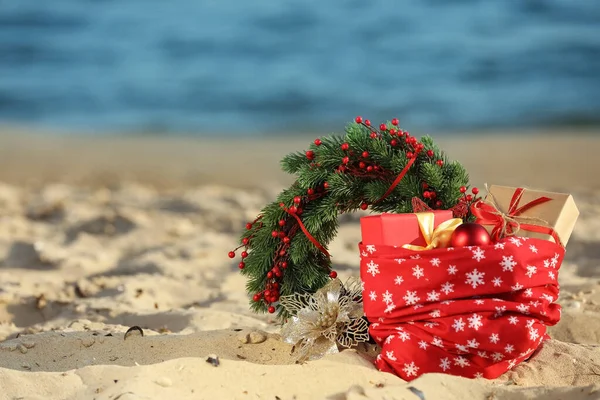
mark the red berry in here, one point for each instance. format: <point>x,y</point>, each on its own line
<point>256,297</point>
<point>284,265</point>
<point>373,135</point>
<point>364,206</point>
<point>244,254</point>
<point>433,194</point>
<point>333,274</point>
<point>367,122</point>
<point>297,199</point>
<point>469,197</point>
<point>286,239</point>
<point>424,185</point>
<point>281,222</point>
<point>463,189</point>
<point>393,131</point>
<point>400,132</point>
<point>362,164</point>
<point>326,185</point>
<point>394,142</point>
<point>427,195</point>
<point>269,276</point>
<point>241,265</point>
<point>245,241</point>
<point>438,203</point>
<point>271,310</point>
<point>440,162</point>
<point>383,127</point>
<point>429,153</point>
<point>369,168</point>
<point>346,160</point>
<point>281,253</point>
<point>475,191</point>
<point>318,142</point>
<point>310,154</point>
<point>231,254</point>
<point>409,154</point>
<point>281,234</point>
<point>292,210</point>
<point>310,191</point>
<point>365,154</point>
<point>274,234</point>
<point>395,121</point>
<point>345,146</point>
<point>248,226</point>
<point>358,119</point>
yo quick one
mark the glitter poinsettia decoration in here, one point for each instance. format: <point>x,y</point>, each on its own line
<point>320,322</point>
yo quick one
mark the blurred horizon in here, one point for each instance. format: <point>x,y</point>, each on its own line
<point>101,66</point>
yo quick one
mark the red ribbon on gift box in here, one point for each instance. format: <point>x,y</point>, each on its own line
<point>506,224</point>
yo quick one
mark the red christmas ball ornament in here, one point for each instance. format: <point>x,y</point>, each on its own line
<point>318,142</point>
<point>358,119</point>
<point>395,121</point>
<point>470,234</point>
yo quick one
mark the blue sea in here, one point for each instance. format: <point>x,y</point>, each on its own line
<point>250,67</point>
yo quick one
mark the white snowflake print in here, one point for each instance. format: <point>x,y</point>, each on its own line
<point>479,302</point>
<point>411,298</point>
<point>403,335</point>
<point>475,278</point>
<point>509,348</point>
<point>458,325</point>
<point>529,323</point>
<point>534,303</point>
<point>415,257</point>
<point>551,275</point>
<point>508,264</point>
<point>398,280</point>
<point>373,295</point>
<point>435,262</point>
<point>499,311</point>
<point>516,287</point>
<point>554,261</point>
<point>462,348</point>
<point>379,357</point>
<point>499,246</point>
<point>494,338</point>
<point>452,270</point>
<point>437,341</point>
<point>389,339</point>
<point>364,254</point>
<point>372,268</point>
<point>531,270</point>
<point>445,364</point>
<point>433,296</point>
<point>447,302</point>
<point>435,314</point>
<point>478,375</point>
<point>387,297</point>
<point>390,355</point>
<point>478,254</point>
<point>482,354</point>
<point>516,241</point>
<point>523,308</point>
<point>497,281</point>
<point>375,324</point>
<point>473,343</point>
<point>416,307</point>
<point>533,249</point>
<point>497,356</point>
<point>461,362</point>
<point>430,325</point>
<point>533,334</point>
<point>400,260</point>
<point>475,321</point>
<point>371,248</point>
<point>513,320</point>
<point>418,272</point>
<point>512,364</point>
<point>410,369</point>
<point>547,263</point>
<point>390,307</point>
<point>548,297</point>
<point>529,292</point>
<point>447,288</point>
<point>423,345</point>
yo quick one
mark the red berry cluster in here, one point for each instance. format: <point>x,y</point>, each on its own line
<point>469,199</point>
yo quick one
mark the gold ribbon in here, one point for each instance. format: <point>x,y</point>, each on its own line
<point>438,237</point>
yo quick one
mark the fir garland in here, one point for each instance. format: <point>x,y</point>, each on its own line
<point>285,248</point>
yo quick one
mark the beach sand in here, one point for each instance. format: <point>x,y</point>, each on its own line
<point>99,235</point>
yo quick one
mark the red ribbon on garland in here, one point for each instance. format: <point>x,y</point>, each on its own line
<point>506,223</point>
<point>398,179</point>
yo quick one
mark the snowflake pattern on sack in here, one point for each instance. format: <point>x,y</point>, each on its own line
<point>470,311</point>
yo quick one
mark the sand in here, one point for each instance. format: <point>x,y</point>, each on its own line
<point>97,236</point>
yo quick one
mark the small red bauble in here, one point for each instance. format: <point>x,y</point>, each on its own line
<point>424,185</point>
<point>274,234</point>
<point>365,154</point>
<point>469,197</point>
<point>244,254</point>
<point>297,199</point>
<point>248,226</point>
<point>409,154</point>
<point>373,135</point>
<point>463,189</point>
<point>292,210</point>
<point>284,265</point>
<point>269,276</point>
<point>231,254</point>
<point>241,265</point>
<point>394,142</point>
<point>245,241</point>
<point>367,122</point>
<point>271,310</point>
<point>362,164</point>
<point>369,168</point>
<point>475,191</point>
<point>440,162</point>
<point>318,142</point>
<point>470,234</point>
<point>333,274</point>
<point>281,234</point>
<point>429,153</point>
<point>427,195</point>
<point>400,133</point>
<point>256,297</point>
<point>310,154</point>
<point>395,121</point>
<point>281,222</point>
<point>310,191</point>
<point>438,203</point>
<point>286,240</point>
<point>382,127</point>
<point>358,119</point>
<point>393,131</point>
<point>345,160</point>
<point>326,185</point>
<point>345,146</point>
<point>364,206</point>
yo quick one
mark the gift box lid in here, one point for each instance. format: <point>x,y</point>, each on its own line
<point>560,213</point>
<point>397,229</point>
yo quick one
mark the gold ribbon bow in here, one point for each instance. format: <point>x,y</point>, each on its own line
<point>438,237</point>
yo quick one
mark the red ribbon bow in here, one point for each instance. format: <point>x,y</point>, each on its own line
<point>506,223</point>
